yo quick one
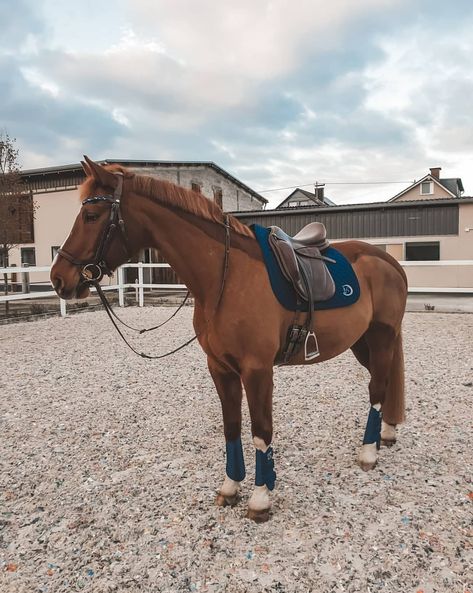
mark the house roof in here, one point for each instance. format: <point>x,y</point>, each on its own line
<point>451,185</point>
<point>77,167</point>
<point>305,193</point>
<point>308,195</point>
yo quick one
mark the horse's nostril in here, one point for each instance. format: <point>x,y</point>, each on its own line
<point>58,284</point>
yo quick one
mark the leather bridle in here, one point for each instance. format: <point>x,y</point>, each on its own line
<point>94,270</point>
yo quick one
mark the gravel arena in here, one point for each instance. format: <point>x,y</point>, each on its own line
<point>110,465</point>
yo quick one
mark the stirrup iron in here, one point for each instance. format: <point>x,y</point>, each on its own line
<point>315,352</point>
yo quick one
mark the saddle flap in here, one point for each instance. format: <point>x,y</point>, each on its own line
<point>303,266</point>
<point>287,261</point>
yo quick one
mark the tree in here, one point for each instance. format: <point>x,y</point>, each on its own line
<point>16,204</point>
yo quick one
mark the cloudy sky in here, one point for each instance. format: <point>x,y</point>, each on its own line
<point>280,93</point>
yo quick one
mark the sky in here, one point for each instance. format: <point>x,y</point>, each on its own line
<point>279,93</point>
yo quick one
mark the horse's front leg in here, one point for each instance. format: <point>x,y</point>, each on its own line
<point>229,389</point>
<point>259,392</point>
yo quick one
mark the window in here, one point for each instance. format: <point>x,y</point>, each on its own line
<point>218,196</point>
<point>293,204</point>
<point>423,251</point>
<point>54,250</point>
<point>28,256</point>
<point>196,187</point>
<point>427,188</point>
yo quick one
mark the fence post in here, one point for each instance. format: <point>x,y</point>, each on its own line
<point>62,305</point>
<point>140,284</point>
<point>25,281</point>
<point>121,291</point>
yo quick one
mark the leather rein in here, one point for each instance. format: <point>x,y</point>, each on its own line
<point>93,271</point>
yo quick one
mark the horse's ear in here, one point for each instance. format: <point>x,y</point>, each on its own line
<point>86,168</point>
<point>100,174</point>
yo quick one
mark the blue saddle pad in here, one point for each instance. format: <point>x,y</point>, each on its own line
<point>347,290</point>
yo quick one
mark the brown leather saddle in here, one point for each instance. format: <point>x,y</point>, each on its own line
<point>303,264</point>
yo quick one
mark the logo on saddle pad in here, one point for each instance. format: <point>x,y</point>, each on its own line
<point>347,290</point>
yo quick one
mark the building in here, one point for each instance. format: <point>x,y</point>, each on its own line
<point>431,187</point>
<point>431,221</point>
<point>55,194</point>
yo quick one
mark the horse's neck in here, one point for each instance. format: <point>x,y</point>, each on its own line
<point>192,246</point>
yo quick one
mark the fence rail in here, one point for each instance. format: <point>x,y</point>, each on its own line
<point>121,286</point>
<point>139,286</point>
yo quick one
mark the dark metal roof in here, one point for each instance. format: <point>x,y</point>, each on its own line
<point>376,220</point>
<point>363,206</point>
<point>76,167</point>
<point>453,185</point>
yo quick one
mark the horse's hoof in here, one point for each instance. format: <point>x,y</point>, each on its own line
<point>226,501</point>
<point>368,456</point>
<point>258,516</point>
<point>366,466</point>
<point>388,434</point>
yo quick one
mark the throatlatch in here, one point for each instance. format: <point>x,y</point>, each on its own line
<point>373,428</point>
<point>235,462</point>
<point>265,474</point>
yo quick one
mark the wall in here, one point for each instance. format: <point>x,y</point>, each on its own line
<point>55,214</point>
<point>234,197</point>
<point>453,247</point>
<point>414,194</point>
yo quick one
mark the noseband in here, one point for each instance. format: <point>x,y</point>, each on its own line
<point>94,270</point>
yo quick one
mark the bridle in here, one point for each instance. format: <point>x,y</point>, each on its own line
<point>93,271</point>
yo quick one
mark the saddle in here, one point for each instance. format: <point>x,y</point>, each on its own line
<point>303,265</point>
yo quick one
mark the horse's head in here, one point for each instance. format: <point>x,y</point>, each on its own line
<point>97,243</point>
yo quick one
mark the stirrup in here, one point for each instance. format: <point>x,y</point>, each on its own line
<point>315,352</point>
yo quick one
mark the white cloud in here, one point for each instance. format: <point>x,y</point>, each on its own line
<point>259,40</point>
<point>282,93</point>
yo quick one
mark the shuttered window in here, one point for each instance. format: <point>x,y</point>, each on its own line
<point>423,251</point>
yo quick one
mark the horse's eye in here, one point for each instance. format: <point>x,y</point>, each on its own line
<point>90,217</point>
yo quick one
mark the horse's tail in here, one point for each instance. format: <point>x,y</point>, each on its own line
<point>394,403</point>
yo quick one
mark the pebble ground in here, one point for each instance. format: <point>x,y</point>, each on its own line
<point>109,466</point>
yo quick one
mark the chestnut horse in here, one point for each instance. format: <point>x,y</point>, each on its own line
<point>239,322</point>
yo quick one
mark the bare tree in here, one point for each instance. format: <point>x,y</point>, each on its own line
<point>16,204</point>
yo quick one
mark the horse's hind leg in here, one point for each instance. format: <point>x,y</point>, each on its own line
<point>393,407</point>
<point>229,389</point>
<point>380,340</point>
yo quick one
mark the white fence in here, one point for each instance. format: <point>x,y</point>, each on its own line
<point>140,285</point>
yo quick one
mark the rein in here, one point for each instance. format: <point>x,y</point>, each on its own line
<point>93,271</point>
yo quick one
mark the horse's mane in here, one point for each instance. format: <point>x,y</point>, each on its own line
<point>170,194</point>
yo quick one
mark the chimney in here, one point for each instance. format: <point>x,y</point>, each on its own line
<point>435,172</point>
<point>319,191</point>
